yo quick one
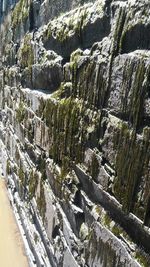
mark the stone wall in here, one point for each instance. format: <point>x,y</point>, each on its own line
<point>75,123</point>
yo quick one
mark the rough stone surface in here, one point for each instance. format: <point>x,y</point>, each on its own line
<point>75,128</point>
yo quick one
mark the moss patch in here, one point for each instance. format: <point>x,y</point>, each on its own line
<point>20,12</point>
<point>26,52</point>
<point>33,182</point>
<point>131,163</point>
<point>41,202</point>
<point>20,113</point>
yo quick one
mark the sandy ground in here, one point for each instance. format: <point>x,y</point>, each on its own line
<point>12,252</point>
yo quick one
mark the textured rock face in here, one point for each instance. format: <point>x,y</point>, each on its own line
<point>75,128</point>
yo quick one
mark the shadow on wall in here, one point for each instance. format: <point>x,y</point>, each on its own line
<point>137,37</point>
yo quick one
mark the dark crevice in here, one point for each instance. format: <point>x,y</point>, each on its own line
<point>147,215</point>
<point>104,161</point>
<point>137,37</point>
<point>55,232</point>
<point>77,199</point>
<point>31,18</point>
<point>80,218</point>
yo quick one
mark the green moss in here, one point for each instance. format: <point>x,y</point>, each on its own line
<point>21,176</point>
<point>33,183</point>
<point>99,209</point>
<point>87,76</point>
<point>49,109</point>
<point>8,167</point>
<point>64,91</point>
<point>17,155</point>
<point>94,167</point>
<point>107,220</point>
<point>49,32</point>
<point>36,239</point>
<point>116,230</point>
<point>65,168</point>
<point>142,258</point>
<point>20,13</point>
<point>131,161</point>
<point>137,97</point>
<point>134,89</point>
<point>67,120</point>
<point>126,175</point>
<point>69,26</point>
<point>20,113</point>
<point>30,131</point>
<point>27,53</point>
<point>41,202</point>
<point>58,118</point>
